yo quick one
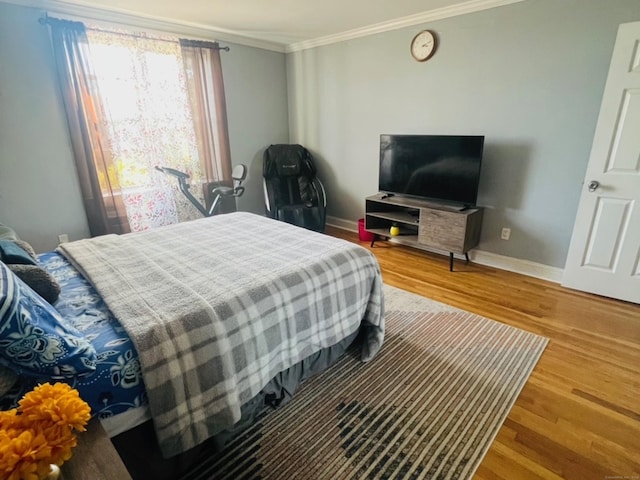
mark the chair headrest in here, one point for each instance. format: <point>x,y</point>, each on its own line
<point>288,161</point>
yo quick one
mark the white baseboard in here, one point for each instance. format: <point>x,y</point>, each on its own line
<point>517,265</point>
<point>524,267</point>
<point>348,225</point>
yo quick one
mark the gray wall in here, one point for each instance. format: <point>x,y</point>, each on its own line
<point>256,91</point>
<point>528,76</point>
<point>39,194</point>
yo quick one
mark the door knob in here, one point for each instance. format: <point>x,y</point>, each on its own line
<point>593,185</point>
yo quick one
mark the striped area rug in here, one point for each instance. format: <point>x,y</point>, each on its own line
<point>427,407</point>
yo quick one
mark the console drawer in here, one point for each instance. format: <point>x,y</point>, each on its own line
<point>442,230</point>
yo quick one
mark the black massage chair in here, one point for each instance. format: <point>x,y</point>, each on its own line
<point>292,191</point>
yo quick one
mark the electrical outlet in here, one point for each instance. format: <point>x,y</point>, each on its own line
<point>506,233</point>
<point>63,238</point>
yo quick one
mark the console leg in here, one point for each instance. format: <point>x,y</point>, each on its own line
<point>375,237</point>
<point>466,255</point>
<point>451,262</point>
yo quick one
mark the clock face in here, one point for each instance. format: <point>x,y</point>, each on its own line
<point>423,45</point>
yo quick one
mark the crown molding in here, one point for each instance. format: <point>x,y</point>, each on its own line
<point>402,22</point>
<point>86,11</point>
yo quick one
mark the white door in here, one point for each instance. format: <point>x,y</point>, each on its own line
<point>604,254</point>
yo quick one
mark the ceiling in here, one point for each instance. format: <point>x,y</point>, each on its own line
<point>280,24</point>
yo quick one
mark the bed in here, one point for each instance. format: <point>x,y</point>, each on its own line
<point>197,326</point>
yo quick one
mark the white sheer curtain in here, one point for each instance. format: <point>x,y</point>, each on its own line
<point>149,122</point>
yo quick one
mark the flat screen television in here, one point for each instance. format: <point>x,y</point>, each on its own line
<point>443,168</point>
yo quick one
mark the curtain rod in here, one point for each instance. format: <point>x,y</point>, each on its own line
<point>47,20</point>
<point>202,44</point>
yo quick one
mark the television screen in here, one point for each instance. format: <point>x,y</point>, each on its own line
<point>440,167</point>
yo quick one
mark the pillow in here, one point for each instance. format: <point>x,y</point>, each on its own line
<point>34,338</point>
<point>22,261</point>
<point>26,246</point>
<point>41,281</point>
<point>11,252</point>
<point>7,232</point>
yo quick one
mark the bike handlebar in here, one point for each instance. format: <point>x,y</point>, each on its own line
<point>173,171</point>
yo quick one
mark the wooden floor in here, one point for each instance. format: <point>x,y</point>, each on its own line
<point>578,417</point>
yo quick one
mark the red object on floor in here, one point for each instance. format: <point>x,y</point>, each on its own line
<point>362,233</point>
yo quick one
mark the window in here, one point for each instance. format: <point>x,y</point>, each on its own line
<point>149,122</point>
<point>134,102</point>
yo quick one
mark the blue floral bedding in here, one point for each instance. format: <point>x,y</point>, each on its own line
<point>116,385</point>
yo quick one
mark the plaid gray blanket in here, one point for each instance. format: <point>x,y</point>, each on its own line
<point>217,307</point>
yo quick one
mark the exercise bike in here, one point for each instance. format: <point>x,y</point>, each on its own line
<point>218,193</point>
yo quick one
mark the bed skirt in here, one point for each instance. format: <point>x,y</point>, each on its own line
<point>138,447</point>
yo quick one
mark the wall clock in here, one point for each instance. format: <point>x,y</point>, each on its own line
<point>423,45</point>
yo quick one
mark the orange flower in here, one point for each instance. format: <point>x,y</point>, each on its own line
<point>25,456</point>
<point>8,420</point>
<point>58,404</point>
<point>41,431</point>
<point>62,440</point>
